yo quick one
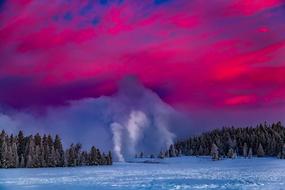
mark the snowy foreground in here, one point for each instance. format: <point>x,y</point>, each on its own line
<point>177,173</point>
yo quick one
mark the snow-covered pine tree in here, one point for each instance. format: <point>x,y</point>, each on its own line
<point>110,160</point>
<point>93,156</point>
<point>190,152</point>
<point>30,152</point>
<point>249,153</point>
<point>283,152</point>
<point>66,157</point>
<point>99,156</point>
<point>22,161</point>
<point>166,154</point>
<point>231,153</point>
<point>200,151</point>
<point>103,160</point>
<point>83,158</point>
<point>271,138</point>
<point>29,163</point>
<point>161,155</point>
<point>9,156</point>
<point>244,150</point>
<point>38,153</point>
<point>52,158</point>
<point>172,151</point>
<point>3,150</point>
<point>141,155</point>
<point>77,153</point>
<point>15,157</point>
<point>260,151</point>
<point>50,152</point>
<point>235,155</point>
<point>21,143</point>
<point>214,152</point>
<point>59,151</point>
<point>71,156</point>
<point>179,152</point>
<point>35,151</point>
<point>37,157</point>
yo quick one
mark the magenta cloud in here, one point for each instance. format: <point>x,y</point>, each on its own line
<point>222,56</point>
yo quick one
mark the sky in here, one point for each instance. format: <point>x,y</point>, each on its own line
<point>216,62</point>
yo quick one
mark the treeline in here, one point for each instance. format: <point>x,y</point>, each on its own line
<point>43,151</point>
<point>262,140</point>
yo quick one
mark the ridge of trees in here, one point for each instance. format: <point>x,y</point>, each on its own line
<point>230,142</point>
<point>43,151</point>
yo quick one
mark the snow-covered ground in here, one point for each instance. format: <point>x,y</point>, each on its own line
<point>177,173</point>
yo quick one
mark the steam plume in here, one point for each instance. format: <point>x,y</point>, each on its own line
<point>117,139</point>
<point>134,119</point>
<point>135,126</point>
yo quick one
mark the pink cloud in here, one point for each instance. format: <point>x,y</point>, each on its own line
<point>247,7</point>
<point>192,52</point>
<point>239,100</point>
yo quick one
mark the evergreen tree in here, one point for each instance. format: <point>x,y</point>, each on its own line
<point>59,151</point>
<point>190,153</point>
<point>9,157</point>
<point>250,153</point>
<point>236,141</point>
<point>110,158</point>
<point>83,161</point>
<point>99,156</point>
<point>50,152</point>
<point>260,151</point>
<point>244,150</point>
<point>37,157</point>
<point>29,163</point>
<point>71,156</point>
<point>36,151</point>
<point>77,153</point>
<point>166,154</point>
<point>45,151</point>
<point>172,151</point>
<point>14,152</point>
<point>283,152</point>
<point>214,152</point>
<point>93,156</point>
<point>38,139</point>
<point>22,161</point>
<point>103,160</point>
<point>231,153</point>
<point>30,153</point>
<point>200,151</point>
<point>161,155</point>
<point>21,143</point>
<point>3,150</point>
<point>66,158</point>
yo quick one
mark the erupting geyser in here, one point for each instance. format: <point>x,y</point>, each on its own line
<point>132,120</point>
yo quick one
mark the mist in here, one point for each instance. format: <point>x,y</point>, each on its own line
<point>132,120</point>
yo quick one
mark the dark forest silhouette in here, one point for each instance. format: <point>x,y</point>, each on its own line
<point>262,140</point>
<point>42,151</point>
